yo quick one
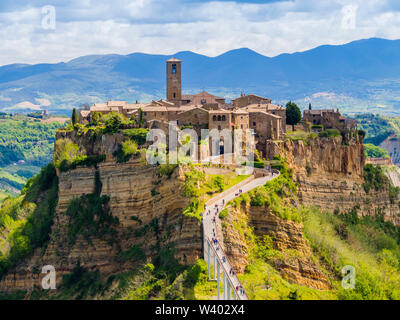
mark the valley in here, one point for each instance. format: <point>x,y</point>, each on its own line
<point>26,144</point>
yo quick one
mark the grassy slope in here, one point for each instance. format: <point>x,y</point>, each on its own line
<point>25,221</point>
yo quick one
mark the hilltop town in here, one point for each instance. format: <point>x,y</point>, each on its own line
<point>207,111</point>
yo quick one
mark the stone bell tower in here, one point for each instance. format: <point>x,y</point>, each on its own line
<point>174,80</point>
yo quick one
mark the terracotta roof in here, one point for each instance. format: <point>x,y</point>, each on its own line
<point>181,108</point>
<point>220,111</point>
<point>133,106</point>
<point>112,103</point>
<point>151,108</point>
<point>195,108</point>
<point>174,60</point>
<point>99,108</point>
<point>250,95</point>
<point>268,114</point>
<point>239,111</point>
<point>263,106</point>
<point>165,102</point>
<point>201,98</point>
<point>319,112</point>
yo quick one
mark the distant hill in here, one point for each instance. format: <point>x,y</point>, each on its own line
<point>360,75</point>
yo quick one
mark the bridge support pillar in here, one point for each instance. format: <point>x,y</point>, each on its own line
<point>215,266</point>
<point>218,282</point>
<point>224,285</point>
<point>208,260</point>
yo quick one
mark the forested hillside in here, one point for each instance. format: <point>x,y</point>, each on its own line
<point>26,145</point>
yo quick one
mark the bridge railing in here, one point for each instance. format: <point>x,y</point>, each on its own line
<point>221,263</point>
<point>226,192</point>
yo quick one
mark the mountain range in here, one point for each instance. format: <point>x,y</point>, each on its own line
<point>363,75</point>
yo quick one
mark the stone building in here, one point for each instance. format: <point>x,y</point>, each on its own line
<point>269,108</point>
<point>240,119</point>
<point>220,119</point>
<point>328,118</point>
<point>266,126</point>
<point>174,80</point>
<point>246,100</point>
<point>202,99</point>
<point>127,109</point>
<point>201,111</point>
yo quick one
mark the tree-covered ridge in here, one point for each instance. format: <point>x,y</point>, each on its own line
<point>26,144</point>
<point>377,128</point>
<point>372,151</point>
<point>22,138</point>
<point>25,221</point>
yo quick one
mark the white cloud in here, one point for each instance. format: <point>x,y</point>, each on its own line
<point>211,28</point>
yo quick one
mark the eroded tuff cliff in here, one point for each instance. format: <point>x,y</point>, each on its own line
<point>329,174</point>
<point>392,146</point>
<point>149,209</point>
<point>295,262</point>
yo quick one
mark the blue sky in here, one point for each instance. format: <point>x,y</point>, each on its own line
<point>168,26</point>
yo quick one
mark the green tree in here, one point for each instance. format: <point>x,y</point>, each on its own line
<point>74,117</point>
<point>293,114</point>
<point>96,118</point>
<point>140,117</point>
<point>372,151</point>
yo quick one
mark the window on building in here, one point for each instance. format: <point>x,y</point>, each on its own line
<point>254,124</point>
<point>174,69</point>
<point>219,127</point>
<point>195,115</point>
<point>174,95</point>
<point>214,118</point>
<point>219,118</point>
<point>223,118</point>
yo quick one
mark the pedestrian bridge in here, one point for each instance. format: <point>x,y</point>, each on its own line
<point>217,261</point>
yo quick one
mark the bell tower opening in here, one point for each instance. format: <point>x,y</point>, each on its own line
<point>174,81</point>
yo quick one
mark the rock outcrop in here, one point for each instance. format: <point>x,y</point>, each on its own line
<point>392,145</point>
<point>329,175</point>
<point>138,198</point>
<point>287,237</point>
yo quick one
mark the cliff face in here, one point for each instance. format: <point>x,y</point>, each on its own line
<point>91,144</point>
<point>287,237</point>
<point>149,209</point>
<point>392,146</point>
<point>330,175</point>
